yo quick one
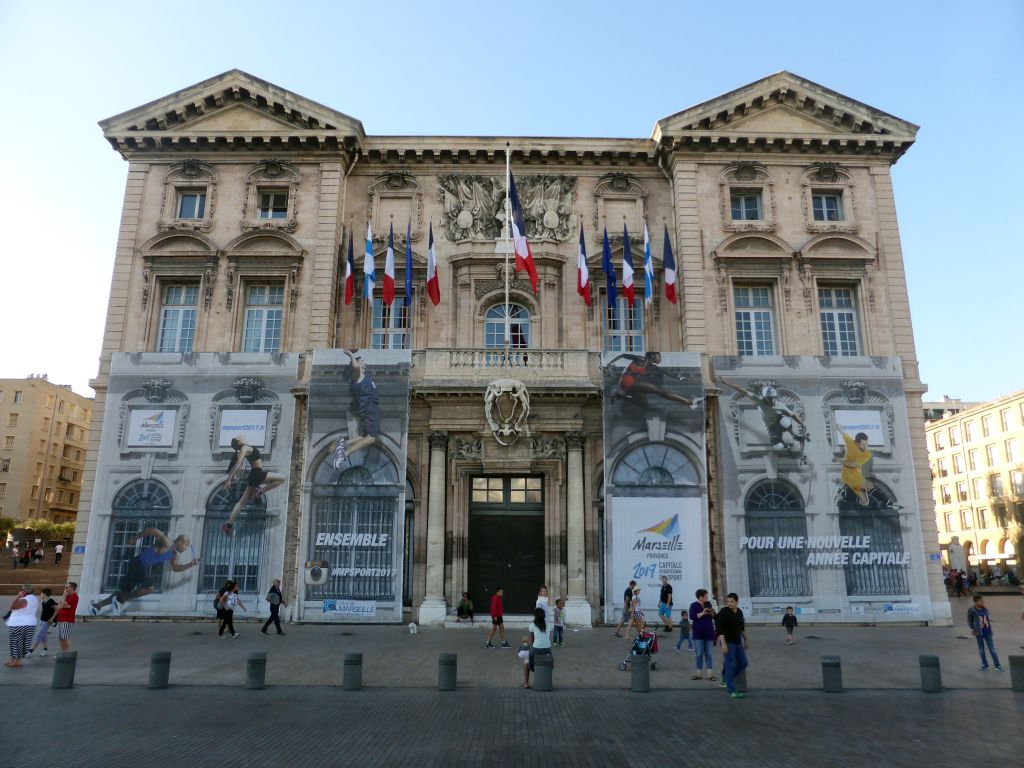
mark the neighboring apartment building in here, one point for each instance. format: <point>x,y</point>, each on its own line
<point>532,460</point>
<point>977,459</point>
<point>44,436</point>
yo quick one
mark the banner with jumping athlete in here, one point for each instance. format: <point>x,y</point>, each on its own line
<point>819,499</point>
<point>655,486</point>
<point>355,506</point>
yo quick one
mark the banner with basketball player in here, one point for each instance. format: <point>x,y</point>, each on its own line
<point>819,500</point>
<point>655,487</point>
<point>355,506</point>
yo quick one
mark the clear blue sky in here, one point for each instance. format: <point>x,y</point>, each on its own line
<point>520,69</point>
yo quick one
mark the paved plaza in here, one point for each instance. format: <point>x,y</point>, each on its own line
<point>592,719</point>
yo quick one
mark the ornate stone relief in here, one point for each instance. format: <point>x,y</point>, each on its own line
<point>396,187</point>
<point>753,177</point>
<point>467,449</point>
<point>615,195</point>
<point>474,206</point>
<point>188,174</point>
<point>834,179</point>
<point>270,174</point>
<point>547,448</point>
<point>482,288</point>
<point>506,408</point>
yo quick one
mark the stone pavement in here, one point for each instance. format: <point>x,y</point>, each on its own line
<point>591,719</point>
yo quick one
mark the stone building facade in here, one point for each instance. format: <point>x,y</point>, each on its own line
<point>242,200</point>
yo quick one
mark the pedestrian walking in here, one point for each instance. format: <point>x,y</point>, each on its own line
<point>540,641</point>
<point>684,631</point>
<point>789,622</point>
<point>58,554</point>
<point>497,619</point>
<point>21,625</point>
<point>665,603</point>
<point>49,607</point>
<point>627,616</point>
<point>276,600</point>
<point>558,624</point>
<point>980,622</point>
<point>637,612</point>
<point>702,618</point>
<point>732,634</point>
<point>228,600</point>
<point>66,615</point>
<point>524,657</point>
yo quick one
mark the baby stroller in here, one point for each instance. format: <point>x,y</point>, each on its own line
<point>645,645</point>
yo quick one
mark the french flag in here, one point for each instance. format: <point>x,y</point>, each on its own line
<point>669,264</point>
<point>648,270</point>
<point>582,273</point>
<point>433,284</point>
<point>627,268</point>
<point>524,258</point>
<point>350,273</point>
<point>389,269</point>
<point>369,271</point>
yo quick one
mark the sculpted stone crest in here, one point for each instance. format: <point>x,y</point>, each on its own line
<point>474,206</point>
<point>506,408</point>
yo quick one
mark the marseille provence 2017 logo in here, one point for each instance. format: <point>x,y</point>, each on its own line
<point>667,530</point>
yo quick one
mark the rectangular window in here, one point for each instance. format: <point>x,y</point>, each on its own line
<point>942,467</point>
<point>1017,482</point>
<point>986,425</point>
<point>950,522</point>
<point>958,464</point>
<point>60,406</point>
<point>236,558</point>
<point>9,442</point>
<point>947,497</point>
<point>979,489</point>
<point>972,459</point>
<point>273,204</point>
<point>71,499</point>
<point>5,465</point>
<point>939,440</point>
<point>961,491</point>
<point>17,396</point>
<point>35,492</point>
<point>968,518</point>
<point>12,420</point>
<point>1004,419</point>
<point>192,204</point>
<point>838,313</point>
<point>746,204</point>
<point>3,489</point>
<point>754,320</point>
<point>263,312</point>
<point>982,518</point>
<point>389,326</point>
<point>969,431</point>
<point>74,476</point>
<point>178,318</point>
<point>990,455</point>
<point>1012,454</point>
<point>995,486</point>
<point>624,327</point>
<point>954,435</point>
<point>828,206</point>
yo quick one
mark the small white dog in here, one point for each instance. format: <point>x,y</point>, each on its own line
<point>413,629</point>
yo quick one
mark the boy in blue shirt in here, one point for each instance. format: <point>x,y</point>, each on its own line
<point>980,622</point>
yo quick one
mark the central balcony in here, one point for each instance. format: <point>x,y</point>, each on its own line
<point>475,367</point>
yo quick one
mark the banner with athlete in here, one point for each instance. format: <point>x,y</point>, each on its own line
<point>655,487</point>
<point>355,506</point>
<point>819,500</point>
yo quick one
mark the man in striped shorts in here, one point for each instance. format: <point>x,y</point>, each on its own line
<point>66,615</point>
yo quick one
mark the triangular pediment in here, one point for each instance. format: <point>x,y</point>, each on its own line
<point>231,106</point>
<point>784,105</point>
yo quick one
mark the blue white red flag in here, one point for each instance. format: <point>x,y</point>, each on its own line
<point>582,272</point>
<point>627,268</point>
<point>369,271</point>
<point>389,269</point>
<point>669,264</point>
<point>524,258</point>
<point>433,284</point>
<point>350,272</point>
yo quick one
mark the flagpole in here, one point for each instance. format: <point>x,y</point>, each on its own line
<point>508,244</point>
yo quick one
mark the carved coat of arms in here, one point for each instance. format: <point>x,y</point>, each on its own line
<point>506,407</point>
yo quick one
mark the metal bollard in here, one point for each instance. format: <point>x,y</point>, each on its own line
<point>931,675</point>
<point>640,674</point>
<point>256,670</point>
<point>831,674</point>
<point>543,665</point>
<point>353,677</point>
<point>159,669</point>
<point>64,669</point>
<point>447,671</point>
<point>1017,673</point>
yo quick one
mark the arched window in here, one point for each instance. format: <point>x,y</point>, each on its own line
<point>140,504</point>
<point>518,327</point>
<point>881,521</point>
<point>655,465</point>
<point>775,510</point>
<point>236,557</point>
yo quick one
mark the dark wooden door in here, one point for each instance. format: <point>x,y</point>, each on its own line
<point>506,550</point>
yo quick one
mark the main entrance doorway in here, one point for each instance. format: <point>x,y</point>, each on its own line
<point>506,542</point>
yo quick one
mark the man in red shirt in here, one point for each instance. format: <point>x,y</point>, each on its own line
<point>497,619</point>
<point>66,615</point>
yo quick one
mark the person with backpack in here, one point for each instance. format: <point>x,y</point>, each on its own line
<point>227,599</point>
<point>276,600</point>
<point>980,623</point>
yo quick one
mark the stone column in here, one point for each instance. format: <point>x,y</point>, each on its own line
<point>577,608</point>
<point>433,608</point>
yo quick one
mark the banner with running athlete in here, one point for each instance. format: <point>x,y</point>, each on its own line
<point>354,518</point>
<point>819,500</point>
<point>655,488</point>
